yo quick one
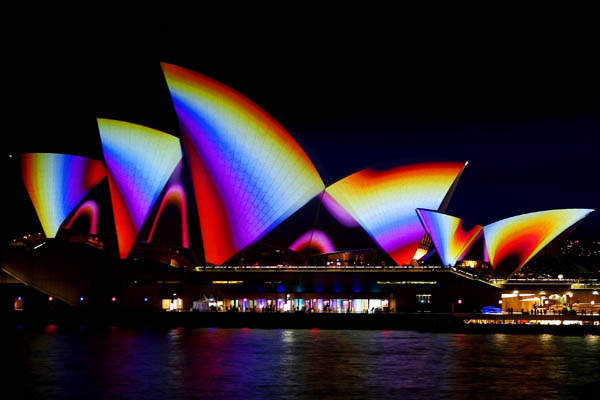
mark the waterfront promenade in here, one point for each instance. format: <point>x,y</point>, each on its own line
<point>434,322</point>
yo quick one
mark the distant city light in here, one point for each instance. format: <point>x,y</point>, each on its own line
<point>114,299</point>
<point>19,298</point>
<point>459,301</point>
<point>145,299</point>
<point>50,298</point>
<point>81,299</point>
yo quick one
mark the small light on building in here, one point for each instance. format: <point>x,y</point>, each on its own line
<point>546,302</point>
<point>459,301</point>
<point>592,302</point>
<point>50,298</point>
<point>145,299</point>
<point>19,298</point>
<point>114,299</point>
<point>81,299</point>
<point>245,299</point>
<point>174,294</point>
<point>499,301</point>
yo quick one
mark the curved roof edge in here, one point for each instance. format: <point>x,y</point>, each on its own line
<point>513,241</point>
<point>451,238</point>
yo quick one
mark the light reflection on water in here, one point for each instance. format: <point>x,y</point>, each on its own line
<point>284,363</point>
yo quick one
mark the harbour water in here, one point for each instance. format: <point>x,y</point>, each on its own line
<point>212,363</point>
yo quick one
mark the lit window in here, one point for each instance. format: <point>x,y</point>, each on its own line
<point>423,298</point>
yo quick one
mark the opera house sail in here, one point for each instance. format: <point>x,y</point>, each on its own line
<point>56,184</point>
<point>384,202</point>
<point>513,241</point>
<point>451,237</point>
<point>139,162</point>
<point>248,173</point>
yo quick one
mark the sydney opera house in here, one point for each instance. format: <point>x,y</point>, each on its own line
<point>231,213</point>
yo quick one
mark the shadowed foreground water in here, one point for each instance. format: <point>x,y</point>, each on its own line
<point>271,364</point>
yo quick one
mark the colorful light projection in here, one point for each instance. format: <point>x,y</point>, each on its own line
<point>56,183</point>
<point>449,236</point>
<point>511,242</point>
<point>175,196</point>
<point>139,162</point>
<point>338,212</point>
<point>248,173</point>
<point>313,239</point>
<point>89,210</point>
<point>384,202</point>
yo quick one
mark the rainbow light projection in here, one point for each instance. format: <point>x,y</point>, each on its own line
<point>313,239</point>
<point>88,209</point>
<point>339,213</point>
<point>450,238</point>
<point>56,183</point>
<point>248,173</point>
<point>174,196</point>
<point>139,162</point>
<point>521,237</point>
<point>384,202</point>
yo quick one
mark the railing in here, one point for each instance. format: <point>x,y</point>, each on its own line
<point>284,268</point>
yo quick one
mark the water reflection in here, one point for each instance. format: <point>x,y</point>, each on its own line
<point>255,363</point>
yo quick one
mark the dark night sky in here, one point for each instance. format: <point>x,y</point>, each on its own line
<point>522,108</point>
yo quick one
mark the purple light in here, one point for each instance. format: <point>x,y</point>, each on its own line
<point>114,299</point>
<point>81,299</point>
<point>19,298</point>
<point>145,299</point>
<point>459,301</point>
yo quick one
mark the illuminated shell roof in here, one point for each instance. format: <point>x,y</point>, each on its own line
<point>511,242</point>
<point>449,236</point>
<point>56,183</point>
<point>139,162</point>
<point>384,202</point>
<point>248,173</point>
